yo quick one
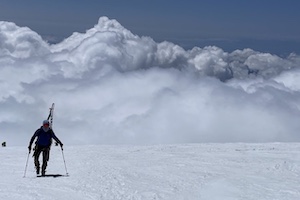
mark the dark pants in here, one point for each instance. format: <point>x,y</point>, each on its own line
<point>38,150</point>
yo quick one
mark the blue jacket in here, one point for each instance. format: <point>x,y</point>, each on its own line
<point>44,138</point>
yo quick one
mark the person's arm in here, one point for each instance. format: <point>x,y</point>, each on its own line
<point>31,140</point>
<point>56,139</point>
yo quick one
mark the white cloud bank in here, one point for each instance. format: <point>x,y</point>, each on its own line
<point>111,86</point>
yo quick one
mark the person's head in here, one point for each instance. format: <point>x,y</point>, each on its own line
<point>46,123</point>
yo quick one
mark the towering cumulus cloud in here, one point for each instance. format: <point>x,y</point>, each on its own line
<point>111,86</point>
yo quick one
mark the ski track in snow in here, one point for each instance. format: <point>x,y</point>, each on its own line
<point>187,171</point>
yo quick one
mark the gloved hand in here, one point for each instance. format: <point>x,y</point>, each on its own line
<point>29,148</point>
<point>61,145</point>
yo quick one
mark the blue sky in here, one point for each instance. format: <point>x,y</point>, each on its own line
<point>264,25</point>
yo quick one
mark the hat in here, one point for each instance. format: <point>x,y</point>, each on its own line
<point>45,122</point>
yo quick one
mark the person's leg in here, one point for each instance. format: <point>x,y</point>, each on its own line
<point>45,160</point>
<point>36,155</point>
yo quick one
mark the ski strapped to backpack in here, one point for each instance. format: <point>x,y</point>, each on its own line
<point>50,116</point>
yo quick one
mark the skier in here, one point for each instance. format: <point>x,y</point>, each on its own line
<point>44,139</point>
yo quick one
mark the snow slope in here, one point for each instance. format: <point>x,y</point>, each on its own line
<point>187,171</point>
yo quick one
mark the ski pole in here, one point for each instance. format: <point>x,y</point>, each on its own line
<point>62,152</point>
<point>26,165</point>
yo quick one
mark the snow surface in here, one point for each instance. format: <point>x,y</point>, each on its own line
<point>186,171</point>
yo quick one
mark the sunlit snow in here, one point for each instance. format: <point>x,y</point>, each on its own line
<point>168,172</point>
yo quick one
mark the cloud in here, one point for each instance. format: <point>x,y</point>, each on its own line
<point>112,86</point>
